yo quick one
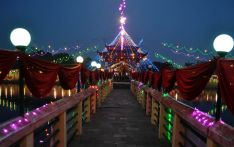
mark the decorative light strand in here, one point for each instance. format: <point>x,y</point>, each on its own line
<point>167,60</point>
<point>204,52</point>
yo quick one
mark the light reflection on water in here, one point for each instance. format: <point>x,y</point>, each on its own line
<point>9,101</point>
<point>9,91</point>
<point>206,102</point>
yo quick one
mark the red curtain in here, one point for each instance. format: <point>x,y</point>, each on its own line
<point>111,75</point>
<point>145,74</point>
<point>149,76</point>
<point>168,79</point>
<point>85,74</point>
<point>139,77</point>
<point>68,77</point>
<point>156,81</point>
<point>105,75</point>
<point>40,76</point>
<point>7,60</point>
<point>93,77</point>
<point>192,80</point>
<point>226,81</point>
<point>134,75</point>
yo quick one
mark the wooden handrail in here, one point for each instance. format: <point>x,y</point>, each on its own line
<point>15,129</point>
<point>216,133</point>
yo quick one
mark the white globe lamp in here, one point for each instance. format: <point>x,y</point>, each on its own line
<point>223,44</point>
<point>93,63</point>
<point>20,38</point>
<point>79,59</point>
<point>98,66</point>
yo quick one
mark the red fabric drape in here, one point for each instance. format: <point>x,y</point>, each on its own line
<point>111,75</point>
<point>93,77</point>
<point>149,76</point>
<point>134,75</point>
<point>105,75</point>
<point>98,75</point>
<point>168,79</point>
<point>226,81</point>
<point>85,74</point>
<point>192,80</point>
<point>145,74</point>
<point>7,60</point>
<point>40,76</point>
<point>156,81</point>
<point>68,77</point>
<point>139,77</point>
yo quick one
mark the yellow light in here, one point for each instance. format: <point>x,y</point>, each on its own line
<point>55,93</point>
<point>62,93</point>
<point>69,92</point>
<point>11,91</point>
<point>6,92</point>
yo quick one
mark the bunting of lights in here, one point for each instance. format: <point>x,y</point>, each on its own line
<point>189,51</point>
<point>159,56</point>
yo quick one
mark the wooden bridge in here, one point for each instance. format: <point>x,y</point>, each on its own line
<point>101,116</point>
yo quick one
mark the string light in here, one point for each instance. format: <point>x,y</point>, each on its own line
<point>157,55</point>
<point>190,50</point>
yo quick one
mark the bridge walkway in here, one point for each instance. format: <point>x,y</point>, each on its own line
<point>119,122</point>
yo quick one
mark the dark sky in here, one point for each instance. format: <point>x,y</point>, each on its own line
<point>193,23</point>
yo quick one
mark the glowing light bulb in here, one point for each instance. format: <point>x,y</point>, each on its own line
<point>20,37</point>
<point>123,20</point>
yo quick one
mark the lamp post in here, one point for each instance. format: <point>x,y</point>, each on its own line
<point>20,38</point>
<point>222,45</point>
<point>79,60</point>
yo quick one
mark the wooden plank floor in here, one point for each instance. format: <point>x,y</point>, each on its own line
<point>119,122</point>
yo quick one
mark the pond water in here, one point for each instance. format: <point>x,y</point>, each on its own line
<point>10,103</point>
<point>206,102</point>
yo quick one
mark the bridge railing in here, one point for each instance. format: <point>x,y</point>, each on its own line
<point>54,124</point>
<point>180,124</point>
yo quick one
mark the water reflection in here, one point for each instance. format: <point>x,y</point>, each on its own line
<point>10,91</point>
<point>9,100</point>
<point>206,102</point>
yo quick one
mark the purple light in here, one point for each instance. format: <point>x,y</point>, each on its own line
<point>34,113</point>
<point>5,130</point>
<point>202,118</point>
<point>26,120</point>
<point>13,126</point>
<point>41,141</point>
<point>19,121</point>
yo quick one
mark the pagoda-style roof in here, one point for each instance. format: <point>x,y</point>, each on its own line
<point>123,48</point>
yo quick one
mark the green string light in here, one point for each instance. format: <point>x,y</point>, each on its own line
<point>157,55</point>
<point>190,50</point>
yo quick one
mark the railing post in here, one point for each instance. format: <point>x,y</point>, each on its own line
<point>211,143</point>
<point>177,128</point>
<point>161,120</point>
<point>79,117</point>
<point>62,126</point>
<point>99,97</point>
<point>93,103</point>
<point>102,93</point>
<point>27,141</point>
<point>143,99</point>
<point>87,109</point>
<point>153,112</point>
<point>148,104</point>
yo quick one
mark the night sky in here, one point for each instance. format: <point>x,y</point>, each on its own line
<point>95,22</point>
